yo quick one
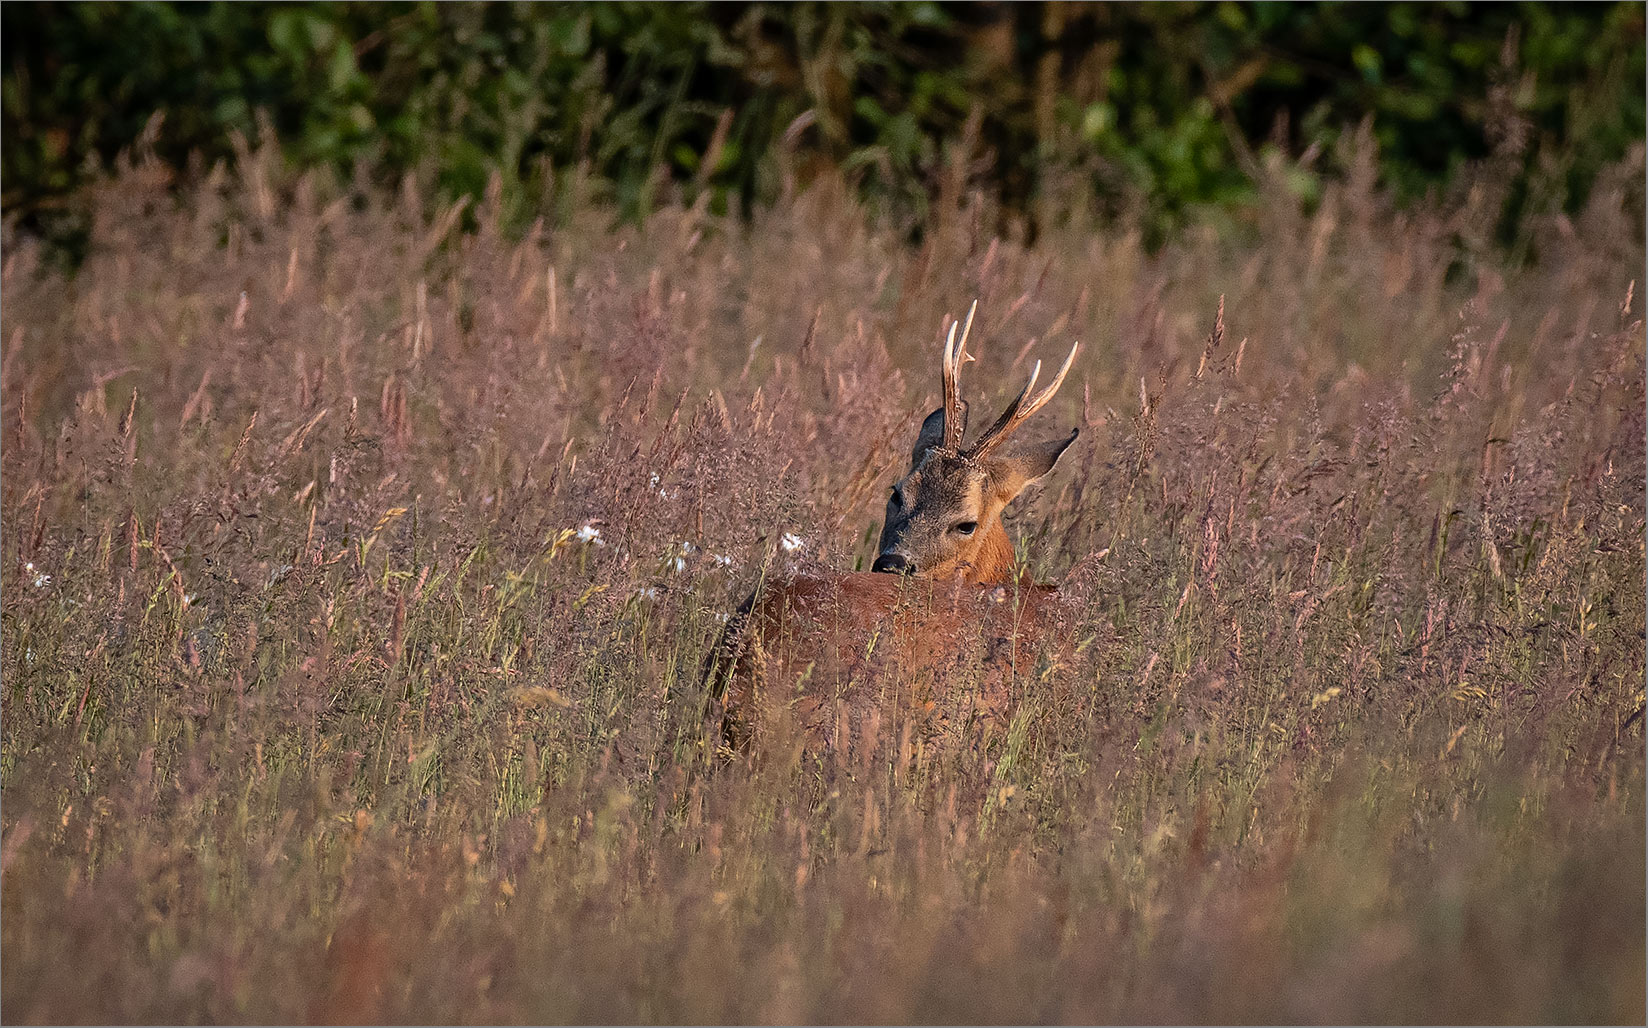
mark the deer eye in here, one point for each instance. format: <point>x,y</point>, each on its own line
<point>964,527</point>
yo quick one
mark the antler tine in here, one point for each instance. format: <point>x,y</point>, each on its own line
<point>966,330</point>
<point>952,393</point>
<point>1009,416</point>
<point>1020,410</point>
<point>955,412</point>
<point>1047,394</point>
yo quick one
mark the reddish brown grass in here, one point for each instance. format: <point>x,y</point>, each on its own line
<point>320,703</point>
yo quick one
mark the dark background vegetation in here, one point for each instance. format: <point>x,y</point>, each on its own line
<point>1153,110</point>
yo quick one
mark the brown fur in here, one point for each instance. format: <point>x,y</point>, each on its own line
<point>938,647</point>
<point>944,517</point>
<point>991,561</point>
<point>826,661</point>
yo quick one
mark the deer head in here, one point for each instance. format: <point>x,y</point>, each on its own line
<point>944,515</point>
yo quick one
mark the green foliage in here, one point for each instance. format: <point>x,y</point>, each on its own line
<point>1169,104</point>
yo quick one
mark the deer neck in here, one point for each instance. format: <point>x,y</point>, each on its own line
<point>993,561</point>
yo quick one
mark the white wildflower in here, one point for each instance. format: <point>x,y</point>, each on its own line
<point>41,581</point>
<point>676,559</point>
<point>590,534</point>
<point>792,542</point>
<point>648,593</point>
<point>723,560</point>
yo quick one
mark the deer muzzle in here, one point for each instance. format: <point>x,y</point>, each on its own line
<point>893,563</point>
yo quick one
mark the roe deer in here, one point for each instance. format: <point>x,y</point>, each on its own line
<point>939,632</point>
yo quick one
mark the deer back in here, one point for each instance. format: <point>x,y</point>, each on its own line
<point>829,661</point>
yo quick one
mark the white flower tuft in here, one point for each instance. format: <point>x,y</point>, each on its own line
<point>792,542</point>
<point>590,534</point>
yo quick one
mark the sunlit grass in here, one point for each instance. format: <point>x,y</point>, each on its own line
<point>359,579</point>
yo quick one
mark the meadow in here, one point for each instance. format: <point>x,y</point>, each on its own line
<point>361,556</point>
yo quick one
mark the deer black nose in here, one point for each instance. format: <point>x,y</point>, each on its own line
<point>893,564</point>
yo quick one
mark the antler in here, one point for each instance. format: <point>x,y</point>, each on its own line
<point>1020,409</point>
<point>955,413</point>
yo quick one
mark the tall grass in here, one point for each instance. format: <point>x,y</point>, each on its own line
<point>358,574</point>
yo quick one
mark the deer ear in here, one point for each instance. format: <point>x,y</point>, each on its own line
<point>932,434</point>
<point>1009,475</point>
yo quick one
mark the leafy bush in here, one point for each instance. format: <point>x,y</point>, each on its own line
<point>1153,110</point>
